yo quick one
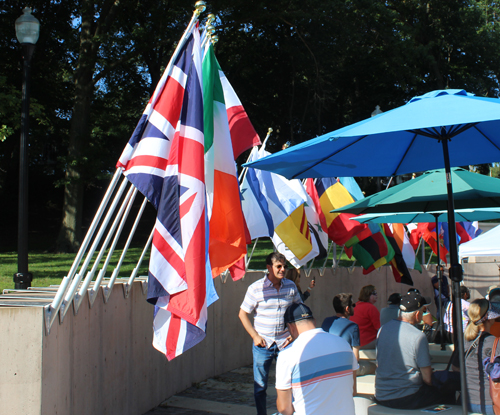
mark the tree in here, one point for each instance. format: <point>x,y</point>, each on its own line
<point>110,37</point>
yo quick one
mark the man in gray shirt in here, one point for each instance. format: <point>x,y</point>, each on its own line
<point>404,373</point>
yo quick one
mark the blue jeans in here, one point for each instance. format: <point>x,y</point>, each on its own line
<point>477,409</point>
<point>262,359</point>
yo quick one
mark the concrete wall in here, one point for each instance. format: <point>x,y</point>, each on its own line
<point>101,361</point>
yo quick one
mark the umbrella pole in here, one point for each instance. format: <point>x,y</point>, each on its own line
<point>439,275</point>
<point>456,273</point>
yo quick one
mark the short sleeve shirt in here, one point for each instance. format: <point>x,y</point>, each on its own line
<point>318,368</point>
<point>269,306</point>
<point>401,351</point>
<point>342,327</point>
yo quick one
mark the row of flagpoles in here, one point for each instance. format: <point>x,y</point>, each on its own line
<point>181,157</point>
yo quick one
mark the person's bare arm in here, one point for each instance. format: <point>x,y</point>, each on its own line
<point>354,386</point>
<point>284,402</point>
<point>426,374</point>
<point>355,350</point>
<point>247,324</point>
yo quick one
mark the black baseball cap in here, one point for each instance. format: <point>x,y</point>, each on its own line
<point>417,291</point>
<point>413,301</point>
<point>297,312</point>
<point>394,299</point>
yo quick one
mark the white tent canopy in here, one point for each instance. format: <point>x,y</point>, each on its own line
<point>486,244</point>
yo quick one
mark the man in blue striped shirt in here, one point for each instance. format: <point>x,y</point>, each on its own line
<point>268,298</point>
<point>316,373</point>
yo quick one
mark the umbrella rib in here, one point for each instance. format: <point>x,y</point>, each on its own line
<point>455,130</point>
<point>326,157</point>
<point>485,136</point>
<point>406,152</point>
<point>461,129</point>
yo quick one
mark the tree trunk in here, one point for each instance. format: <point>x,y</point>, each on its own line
<point>71,227</point>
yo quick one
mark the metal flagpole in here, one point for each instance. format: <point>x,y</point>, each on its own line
<point>78,277</point>
<point>120,217</point>
<point>139,262</point>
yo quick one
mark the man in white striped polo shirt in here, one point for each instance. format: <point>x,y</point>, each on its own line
<point>268,298</point>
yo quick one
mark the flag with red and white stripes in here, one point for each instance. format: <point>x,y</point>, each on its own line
<point>164,159</point>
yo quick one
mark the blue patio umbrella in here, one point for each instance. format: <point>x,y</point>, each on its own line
<point>439,129</point>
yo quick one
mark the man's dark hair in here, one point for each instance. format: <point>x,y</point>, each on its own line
<point>275,257</point>
<point>464,290</point>
<point>341,301</point>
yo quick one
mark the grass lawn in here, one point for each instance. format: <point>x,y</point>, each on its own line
<point>49,268</point>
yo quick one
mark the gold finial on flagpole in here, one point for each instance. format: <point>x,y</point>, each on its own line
<point>210,19</point>
<point>210,29</point>
<point>200,7</point>
<point>269,130</point>
<point>214,39</point>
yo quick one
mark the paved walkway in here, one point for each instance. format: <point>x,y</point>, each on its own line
<point>227,394</point>
<point>232,394</point>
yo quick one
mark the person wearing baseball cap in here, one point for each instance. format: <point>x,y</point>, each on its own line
<point>403,379</point>
<point>327,365</point>
<point>478,346</point>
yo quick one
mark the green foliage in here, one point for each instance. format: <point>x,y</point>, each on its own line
<point>301,67</point>
<point>49,268</point>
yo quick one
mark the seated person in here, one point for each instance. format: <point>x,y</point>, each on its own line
<point>478,346</point>
<point>445,291</point>
<point>427,317</point>
<point>392,310</point>
<point>339,325</point>
<point>367,317</point>
<point>403,379</point>
<point>494,297</point>
<point>448,319</point>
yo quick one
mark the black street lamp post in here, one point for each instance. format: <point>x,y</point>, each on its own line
<point>27,31</point>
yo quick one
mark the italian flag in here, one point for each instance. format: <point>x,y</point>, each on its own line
<point>227,229</point>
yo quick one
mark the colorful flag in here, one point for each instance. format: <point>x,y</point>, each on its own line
<point>332,195</point>
<point>238,270</point>
<point>368,230</point>
<point>466,231</point>
<point>352,187</point>
<point>319,236</point>
<point>403,241</point>
<point>164,159</point>
<point>254,204</point>
<point>373,252</point>
<point>243,135</point>
<point>315,218</point>
<point>227,228</point>
<point>427,231</point>
<point>285,201</point>
<point>398,264</point>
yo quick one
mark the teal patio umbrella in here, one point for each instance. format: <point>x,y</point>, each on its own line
<point>428,193</point>
<point>461,215</point>
<point>442,128</point>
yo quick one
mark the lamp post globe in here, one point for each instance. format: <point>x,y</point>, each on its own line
<point>27,32</point>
